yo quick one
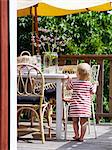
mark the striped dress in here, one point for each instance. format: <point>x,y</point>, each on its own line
<point>80,105</point>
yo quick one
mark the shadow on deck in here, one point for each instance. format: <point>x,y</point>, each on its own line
<point>103,142</point>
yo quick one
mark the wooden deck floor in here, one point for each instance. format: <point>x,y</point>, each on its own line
<point>103,142</point>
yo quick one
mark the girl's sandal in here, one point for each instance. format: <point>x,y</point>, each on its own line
<point>80,140</point>
<point>76,139</point>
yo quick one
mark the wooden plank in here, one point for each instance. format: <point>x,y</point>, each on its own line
<point>110,88</point>
<point>86,57</point>
<point>109,115</point>
<point>99,93</point>
<point>4,74</point>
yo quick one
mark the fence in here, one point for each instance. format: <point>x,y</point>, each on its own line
<point>97,59</point>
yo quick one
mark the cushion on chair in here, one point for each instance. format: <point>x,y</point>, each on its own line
<point>28,100</point>
<point>50,93</point>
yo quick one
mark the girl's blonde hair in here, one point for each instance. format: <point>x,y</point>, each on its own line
<point>84,71</point>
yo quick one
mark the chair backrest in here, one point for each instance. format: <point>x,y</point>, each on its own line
<point>95,72</point>
<point>30,81</point>
<point>70,69</point>
<point>50,86</point>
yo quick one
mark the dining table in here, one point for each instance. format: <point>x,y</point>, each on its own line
<point>59,79</point>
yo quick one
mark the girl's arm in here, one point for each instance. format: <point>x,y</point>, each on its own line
<point>69,85</point>
<point>94,87</point>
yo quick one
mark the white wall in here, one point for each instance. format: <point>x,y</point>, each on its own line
<point>13,64</point>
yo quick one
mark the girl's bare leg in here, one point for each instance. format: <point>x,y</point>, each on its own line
<point>76,127</point>
<point>83,123</point>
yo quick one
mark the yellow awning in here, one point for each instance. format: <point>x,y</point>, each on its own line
<point>61,7</point>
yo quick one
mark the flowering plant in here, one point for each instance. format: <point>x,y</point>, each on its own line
<point>48,42</point>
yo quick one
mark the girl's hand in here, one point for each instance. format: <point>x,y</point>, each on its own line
<point>95,83</point>
<point>68,76</point>
<point>67,100</point>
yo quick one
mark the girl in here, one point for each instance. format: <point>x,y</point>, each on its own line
<point>80,103</point>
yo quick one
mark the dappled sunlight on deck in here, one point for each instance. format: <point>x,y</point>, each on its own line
<point>103,142</point>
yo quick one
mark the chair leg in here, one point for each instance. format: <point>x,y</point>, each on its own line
<point>66,107</point>
<point>66,121</point>
<point>94,120</point>
<point>64,116</point>
<point>32,118</point>
<point>42,128</point>
<point>18,114</point>
<point>89,125</point>
<point>50,120</point>
<point>18,117</point>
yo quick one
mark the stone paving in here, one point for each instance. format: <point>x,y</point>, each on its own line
<point>103,142</point>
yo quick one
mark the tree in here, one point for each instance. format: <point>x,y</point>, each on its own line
<point>85,33</point>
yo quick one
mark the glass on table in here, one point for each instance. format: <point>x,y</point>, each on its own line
<point>60,69</point>
<point>36,60</point>
<point>46,70</point>
<point>50,69</point>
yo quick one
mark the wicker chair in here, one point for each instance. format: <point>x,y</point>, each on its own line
<point>70,69</point>
<point>95,74</point>
<point>30,97</point>
<point>67,69</point>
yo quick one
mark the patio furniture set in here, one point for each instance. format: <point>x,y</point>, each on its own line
<point>35,92</point>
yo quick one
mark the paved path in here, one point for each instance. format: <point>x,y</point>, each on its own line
<point>103,142</point>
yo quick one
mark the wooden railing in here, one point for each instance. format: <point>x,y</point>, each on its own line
<point>98,59</point>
